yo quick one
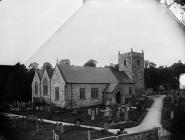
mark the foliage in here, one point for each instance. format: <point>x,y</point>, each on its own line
<point>33,66</point>
<point>182,2</point>
<point>168,77</point>
<point>91,63</point>
<point>47,65</point>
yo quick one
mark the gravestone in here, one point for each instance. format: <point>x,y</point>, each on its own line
<point>118,112</point>
<point>88,135</point>
<point>97,111</point>
<point>61,128</point>
<point>126,112</point>
<point>106,127</point>
<point>89,111</point>
<point>108,113</point>
<point>93,115</point>
<point>78,123</point>
<point>57,126</point>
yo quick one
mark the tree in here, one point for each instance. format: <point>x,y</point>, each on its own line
<point>47,65</point>
<point>91,63</point>
<point>33,65</point>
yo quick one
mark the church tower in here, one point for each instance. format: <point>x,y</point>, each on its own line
<point>133,64</point>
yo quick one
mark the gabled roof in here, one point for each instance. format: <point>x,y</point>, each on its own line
<point>50,72</point>
<point>122,77</point>
<point>77,74</point>
<point>110,87</point>
<point>40,73</point>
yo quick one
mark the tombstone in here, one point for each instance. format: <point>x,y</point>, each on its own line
<point>61,128</point>
<point>97,111</point>
<point>106,127</point>
<point>37,108</point>
<point>172,115</point>
<point>57,127</point>
<point>118,113</point>
<point>88,135</point>
<point>89,111</point>
<point>37,126</point>
<point>93,115</point>
<point>108,113</point>
<point>126,113</point>
<point>78,123</point>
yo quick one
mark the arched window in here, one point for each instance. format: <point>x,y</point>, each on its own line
<point>45,87</point>
<point>36,88</point>
<point>125,62</point>
<point>130,90</point>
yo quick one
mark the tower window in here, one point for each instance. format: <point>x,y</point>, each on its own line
<point>125,62</point>
<point>138,62</point>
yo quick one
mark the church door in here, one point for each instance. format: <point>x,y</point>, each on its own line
<point>118,98</point>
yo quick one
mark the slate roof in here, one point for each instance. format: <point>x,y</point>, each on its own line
<point>40,73</point>
<point>110,87</point>
<point>122,76</point>
<point>50,72</point>
<point>79,74</point>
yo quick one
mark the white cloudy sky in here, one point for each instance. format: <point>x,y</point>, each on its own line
<point>97,30</point>
<point>26,24</point>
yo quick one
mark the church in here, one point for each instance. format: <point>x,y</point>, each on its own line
<point>70,87</point>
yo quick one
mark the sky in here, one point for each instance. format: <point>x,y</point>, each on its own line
<point>45,30</point>
<point>26,24</point>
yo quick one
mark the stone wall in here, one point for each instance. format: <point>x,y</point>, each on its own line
<point>46,98</point>
<point>135,71</point>
<point>58,81</point>
<point>72,95</point>
<point>36,79</point>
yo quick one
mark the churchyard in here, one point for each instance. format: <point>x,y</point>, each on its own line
<point>32,128</point>
<point>114,116</point>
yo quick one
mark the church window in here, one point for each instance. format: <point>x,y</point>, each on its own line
<point>57,93</point>
<point>45,87</point>
<point>82,93</point>
<point>125,62</point>
<point>130,90</point>
<point>138,62</point>
<point>36,88</point>
<point>94,93</point>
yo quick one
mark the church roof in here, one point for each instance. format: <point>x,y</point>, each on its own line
<point>50,72</point>
<point>122,76</point>
<point>110,87</point>
<point>40,73</point>
<point>79,74</point>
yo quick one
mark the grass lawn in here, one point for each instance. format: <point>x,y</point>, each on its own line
<point>46,129</point>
